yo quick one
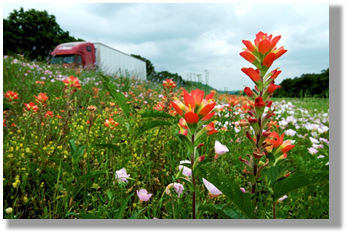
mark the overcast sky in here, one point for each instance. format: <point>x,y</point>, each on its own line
<point>189,39</point>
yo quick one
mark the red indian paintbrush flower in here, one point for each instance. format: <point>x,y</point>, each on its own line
<point>183,123</point>
<point>183,127</point>
<point>195,107</point>
<point>269,59</point>
<point>49,114</point>
<point>72,82</point>
<point>31,106</point>
<point>274,74</point>
<point>208,116</point>
<point>110,123</point>
<point>265,42</point>
<point>259,102</point>
<point>10,95</point>
<point>248,56</point>
<point>191,117</point>
<point>277,144</point>
<point>41,98</point>
<point>263,45</point>
<point>169,84</point>
<point>249,45</point>
<point>254,74</point>
<point>279,52</point>
<point>249,92</point>
<point>272,88</point>
<point>210,129</point>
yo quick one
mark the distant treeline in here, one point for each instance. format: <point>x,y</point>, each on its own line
<point>307,85</point>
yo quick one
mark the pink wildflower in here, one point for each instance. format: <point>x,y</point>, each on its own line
<point>122,175</point>
<point>213,191</point>
<point>186,171</point>
<point>219,149</point>
<point>143,195</point>
<point>312,150</point>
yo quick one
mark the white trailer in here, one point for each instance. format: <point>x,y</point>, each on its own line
<point>115,62</point>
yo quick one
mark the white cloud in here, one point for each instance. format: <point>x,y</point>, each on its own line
<point>191,38</point>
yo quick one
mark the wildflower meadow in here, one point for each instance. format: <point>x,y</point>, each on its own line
<point>80,144</point>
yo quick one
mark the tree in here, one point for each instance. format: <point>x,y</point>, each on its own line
<point>306,85</point>
<point>33,33</point>
<point>149,66</point>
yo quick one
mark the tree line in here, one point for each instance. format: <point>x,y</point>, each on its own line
<point>307,85</point>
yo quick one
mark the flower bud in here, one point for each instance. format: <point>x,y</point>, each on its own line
<point>248,135</point>
<point>201,158</point>
<point>243,123</point>
<point>257,154</point>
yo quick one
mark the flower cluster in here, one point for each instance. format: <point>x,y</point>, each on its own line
<point>41,98</point>
<point>264,142</point>
<point>31,107</point>
<point>71,84</point>
<point>72,81</point>
<point>110,123</point>
<point>263,52</point>
<point>195,106</point>
<point>169,84</point>
<point>10,95</point>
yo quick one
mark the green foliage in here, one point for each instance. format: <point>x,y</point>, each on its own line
<point>149,66</point>
<point>230,189</point>
<point>308,85</point>
<point>119,97</point>
<point>156,113</point>
<point>82,215</point>
<point>223,210</point>
<point>33,33</point>
<point>298,180</point>
<point>120,211</point>
<point>151,124</point>
<point>7,106</point>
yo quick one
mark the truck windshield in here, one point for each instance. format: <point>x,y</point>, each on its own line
<point>63,59</point>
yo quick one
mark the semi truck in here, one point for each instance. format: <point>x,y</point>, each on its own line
<point>98,56</point>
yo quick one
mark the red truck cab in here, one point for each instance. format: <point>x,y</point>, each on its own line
<point>74,54</point>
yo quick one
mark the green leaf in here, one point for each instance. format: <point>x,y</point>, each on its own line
<point>200,139</point>
<point>151,124</point>
<point>298,180</point>
<point>109,194</point>
<point>134,216</point>
<point>156,113</point>
<point>199,164</point>
<point>230,189</point>
<point>72,146</point>
<point>223,210</point>
<point>92,175</point>
<point>119,97</point>
<point>76,153</point>
<point>186,142</point>
<point>64,165</point>
<point>122,208</point>
<point>273,173</point>
<point>7,106</point>
<point>83,216</point>
<point>110,146</point>
<point>188,183</point>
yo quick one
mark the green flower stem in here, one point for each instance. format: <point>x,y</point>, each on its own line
<point>274,210</point>
<point>193,181</point>
<point>173,206</point>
